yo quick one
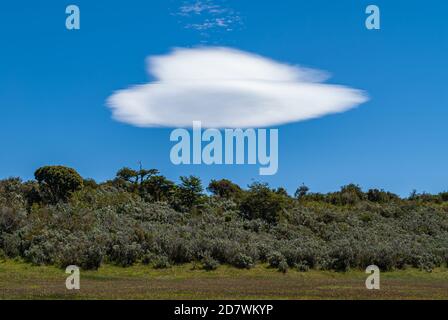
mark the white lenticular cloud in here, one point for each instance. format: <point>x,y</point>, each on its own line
<point>228,88</point>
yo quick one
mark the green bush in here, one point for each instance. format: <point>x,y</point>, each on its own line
<point>209,264</point>
<point>161,262</point>
<point>283,266</point>
<point>302,267</point>
<point>275,259</point>
<point>243,261</point>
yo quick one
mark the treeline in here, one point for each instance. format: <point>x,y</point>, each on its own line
<point>140,216</point>
<point>54,184</point>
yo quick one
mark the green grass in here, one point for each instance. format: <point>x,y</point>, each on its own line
<point>19,280</point>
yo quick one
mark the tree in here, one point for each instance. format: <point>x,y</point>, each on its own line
<point>225,189</point>
<point>381,196</point>
<point>349,195</point>
<point>281,191</point>
<point>133,180</point>
<point>146,174</point>
<point>260,202</point>
<point>158,188</point>
<point>57,183</point>
<point>128,175</point>
<point>189,192</point>
<point>90,183</point>
<point>301,191</point>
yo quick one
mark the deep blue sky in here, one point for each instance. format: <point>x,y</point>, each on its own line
<point>54,83</point>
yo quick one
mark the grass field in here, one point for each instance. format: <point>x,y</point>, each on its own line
<point>23,281</point>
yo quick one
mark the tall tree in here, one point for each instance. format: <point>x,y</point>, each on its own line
<point>57,183</point>
<point>190,192</point>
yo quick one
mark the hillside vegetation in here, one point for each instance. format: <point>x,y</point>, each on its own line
<point>140,216</point>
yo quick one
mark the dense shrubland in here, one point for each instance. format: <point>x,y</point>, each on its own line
<point>142,217</point>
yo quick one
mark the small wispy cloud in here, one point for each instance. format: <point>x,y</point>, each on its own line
<point>208,15</point>
<point>228,88</point>
<point>198,7</point>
